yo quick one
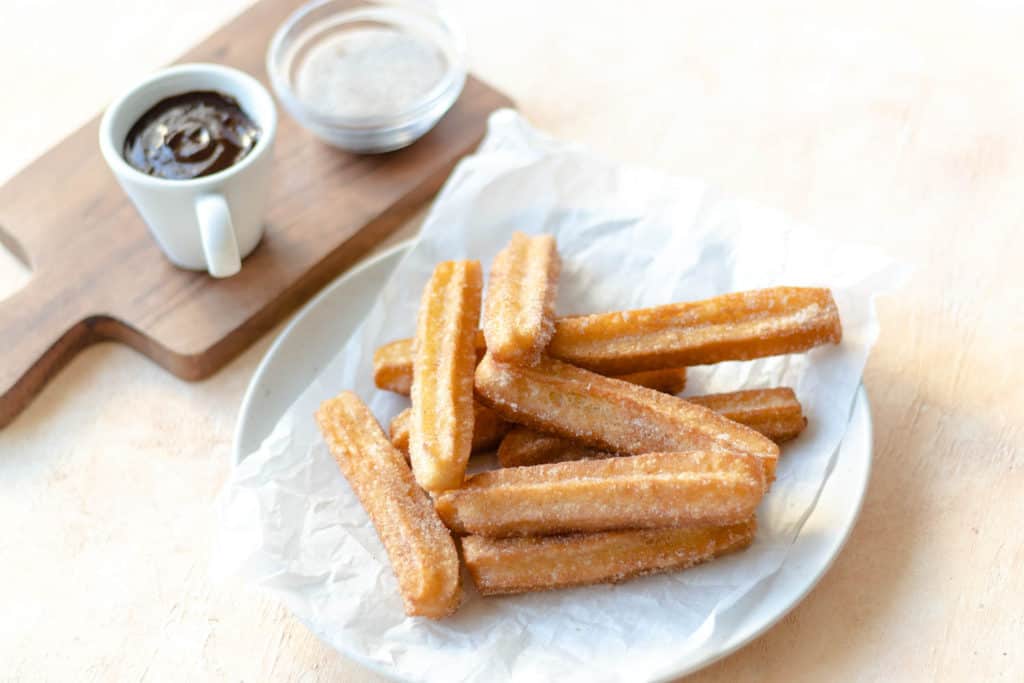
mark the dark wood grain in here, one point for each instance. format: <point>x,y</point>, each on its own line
<point>97,275</point>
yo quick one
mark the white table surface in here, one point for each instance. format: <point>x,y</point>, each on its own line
<point>897,124</point>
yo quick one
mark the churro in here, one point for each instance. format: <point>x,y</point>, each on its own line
<point>392,366</point>
<point>523,446</point>
<point>441,433</point>
<point>773,412</point>
<point>421,550</point>
<point>606,472</point>
<point>655,490</point>
<point>776,413</point>
<point>392,369</point>
<point>488,429</point>
<point>609,414</point>
<point>665,380</point>
<point>519,308</point>
<point>518,565</point>
<point>392,363</point>
<point>738,326</point>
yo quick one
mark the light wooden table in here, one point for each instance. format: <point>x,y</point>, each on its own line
<point>896,124</point>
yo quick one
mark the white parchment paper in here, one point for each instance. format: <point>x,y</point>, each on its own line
<point>628,237</point>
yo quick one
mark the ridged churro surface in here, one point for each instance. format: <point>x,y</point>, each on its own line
<point>441,433</point>
<point>488,429</point>
<point>519,565</point>
<point>609,414</point>
<point>665,380</point>
<point>632,492</point>
<point>739,326</point>
<point>421,550</point>
<point>776,413</point>
<point>392,363</point>
<point>519,308</point>
<point>392,369</point>
<point>392,366</point>
<point>523,446</point>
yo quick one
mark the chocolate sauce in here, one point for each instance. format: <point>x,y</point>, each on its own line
<point>190,135</point>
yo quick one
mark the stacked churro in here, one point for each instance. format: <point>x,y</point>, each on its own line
<point>442,396</point>
<point>605,474</point>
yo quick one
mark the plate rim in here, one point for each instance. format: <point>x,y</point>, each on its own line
<point>269,356</point>
<point>748,635</point>
<point>742,636</point>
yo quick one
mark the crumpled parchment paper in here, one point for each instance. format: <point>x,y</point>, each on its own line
<point>629,237</point>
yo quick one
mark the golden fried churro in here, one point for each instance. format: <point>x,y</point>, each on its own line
<point>392,366</point>
<point>655,490</point>
<point>519,309</point>
<point>609,414</point>
<point>518,565</point>
<point>392,369</point>
<point>421,550</point>
<point>523,446</point>
<point>398,430</point>
<point>392,363</point>
<point>488,429</point>
<point>738,326</point>
<point>441,433</point>
<point>666,380</point>
<point>773,412</point>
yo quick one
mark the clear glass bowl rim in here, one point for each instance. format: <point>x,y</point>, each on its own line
<point>454,77</point>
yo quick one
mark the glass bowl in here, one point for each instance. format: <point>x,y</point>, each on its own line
<point>316,23</point>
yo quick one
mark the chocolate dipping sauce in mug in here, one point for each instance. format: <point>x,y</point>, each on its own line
<point>190,135</point>
<point>192,147</point>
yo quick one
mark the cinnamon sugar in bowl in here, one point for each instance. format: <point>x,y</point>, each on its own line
<point>368,78</point>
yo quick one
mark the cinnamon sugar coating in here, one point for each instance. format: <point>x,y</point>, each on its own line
<point>441,433</point>
<point>739,326</point>
<point>609,414</point>
<point>776,413</point>
<point>518,565</point>
<point>488,429</point>
<point>519,309</point>
<point>655,490</point>
<point>421,551</point>
<point>392,369</point>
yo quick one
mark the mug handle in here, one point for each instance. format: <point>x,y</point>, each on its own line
<point>218,236</point>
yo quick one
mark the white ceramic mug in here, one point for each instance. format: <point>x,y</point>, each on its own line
<point>208,223</point>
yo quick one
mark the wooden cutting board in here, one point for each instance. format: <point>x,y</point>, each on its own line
<point>97,275</point>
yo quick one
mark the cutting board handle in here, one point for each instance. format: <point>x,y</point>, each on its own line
<point>41,329</point>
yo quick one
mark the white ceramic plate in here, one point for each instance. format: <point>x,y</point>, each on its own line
<point>321,328</point>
